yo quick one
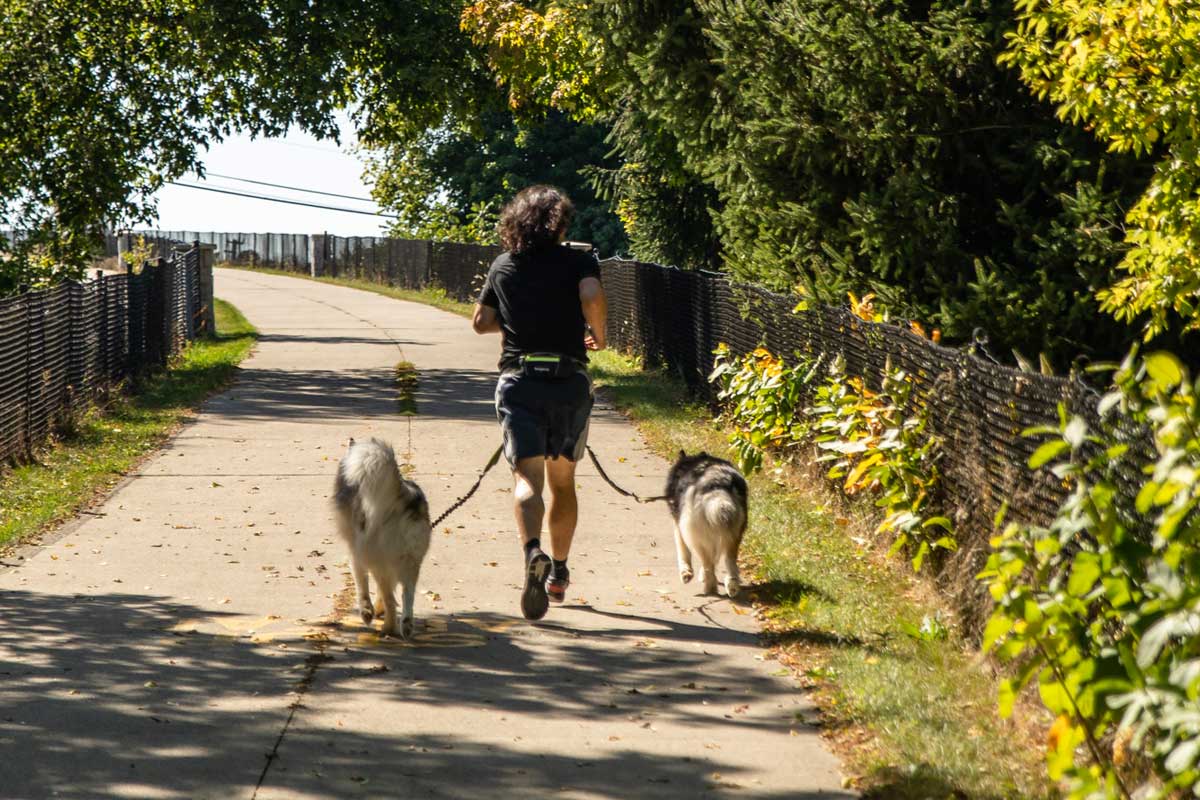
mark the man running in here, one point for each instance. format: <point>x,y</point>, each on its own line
<point>546,301</point>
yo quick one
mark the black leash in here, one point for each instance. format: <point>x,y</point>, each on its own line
<point>496,457</point>
<point>458,503</point>
<point>609,481</point>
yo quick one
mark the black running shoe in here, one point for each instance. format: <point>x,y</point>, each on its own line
<point>556,586</point>
<point>534,601</point>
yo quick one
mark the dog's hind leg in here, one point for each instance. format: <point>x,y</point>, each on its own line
<point>684,555</point>
<point>385,596</point>
<point>364,589</point>
<point>408,585</point>
<point>708,576</point>
<point>729,554</point>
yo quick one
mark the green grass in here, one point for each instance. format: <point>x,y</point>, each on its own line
<point>107,443</point>
<point>432,296</point>
<point>912,718</point>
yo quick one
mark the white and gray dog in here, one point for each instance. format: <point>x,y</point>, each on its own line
<point>708,498</point>
<point>385,521</point>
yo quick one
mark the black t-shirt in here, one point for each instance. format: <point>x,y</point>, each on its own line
<point>537,297</point>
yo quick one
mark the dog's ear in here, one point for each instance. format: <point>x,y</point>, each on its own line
<point>682,453</point>
<point>350,443</point>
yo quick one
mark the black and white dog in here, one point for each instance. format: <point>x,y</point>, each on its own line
<point>709,502</point>
<point>385,521</point>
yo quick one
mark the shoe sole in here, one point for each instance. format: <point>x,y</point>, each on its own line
<point>534,600</point>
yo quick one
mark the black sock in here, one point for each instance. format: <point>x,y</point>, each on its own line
<point>533,544</point>
<point>559,569</point>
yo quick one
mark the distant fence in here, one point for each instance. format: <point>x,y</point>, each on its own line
<point>409,263</point>
<point>61,347</point>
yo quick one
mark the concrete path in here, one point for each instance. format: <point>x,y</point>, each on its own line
<point>191,638</point>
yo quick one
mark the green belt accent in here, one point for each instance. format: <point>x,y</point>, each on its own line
<point>542,359</point>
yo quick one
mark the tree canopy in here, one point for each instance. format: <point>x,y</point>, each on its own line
<point>818,145</point>
<point>451,182</point>
<point>1129,70</point>
<point>834,145</point>
<point>103,101</point>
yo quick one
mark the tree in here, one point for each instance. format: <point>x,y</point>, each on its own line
<point>450,182</point>
<point>552,59</point>
<point>1129,70</point>
<point>105,100</point>
<point>845,144</point>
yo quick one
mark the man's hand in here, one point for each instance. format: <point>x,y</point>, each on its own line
<point>589,341</point>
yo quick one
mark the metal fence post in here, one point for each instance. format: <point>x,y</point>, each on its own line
<point>208,314</point>
<point>316,255</point>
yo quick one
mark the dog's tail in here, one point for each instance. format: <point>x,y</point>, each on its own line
<point>371,468</point>
<point>722,512</point>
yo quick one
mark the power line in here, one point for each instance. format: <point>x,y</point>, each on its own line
<point>281,200</point>
<point>291,188</point>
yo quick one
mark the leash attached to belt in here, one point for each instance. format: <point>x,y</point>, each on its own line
<point>496,457</point>
<point>459,502</point>
<point>609,481</point>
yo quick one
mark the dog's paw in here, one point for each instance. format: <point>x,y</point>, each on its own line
<point>366,612</point>
<point>686,575</point>
<point>406,629</point>
<point>732,587</point>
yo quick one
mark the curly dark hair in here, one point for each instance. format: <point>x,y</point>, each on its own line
<point>536,217</point>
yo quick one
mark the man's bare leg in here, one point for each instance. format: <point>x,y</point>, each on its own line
<point>564,506</point>
<point>529,478</point>
<point>564,512</point>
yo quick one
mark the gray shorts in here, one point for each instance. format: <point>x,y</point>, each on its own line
<point>541,417</point>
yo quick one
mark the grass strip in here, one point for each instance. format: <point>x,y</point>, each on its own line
<point>912,712</point>
<point>107,443</point>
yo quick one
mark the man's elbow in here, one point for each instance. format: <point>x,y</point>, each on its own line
<point>483,320</point>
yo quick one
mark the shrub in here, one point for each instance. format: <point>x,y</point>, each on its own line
<point>1103,606</point>
<point>875,443</point>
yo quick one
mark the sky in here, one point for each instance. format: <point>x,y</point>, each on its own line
<point>295,160</point>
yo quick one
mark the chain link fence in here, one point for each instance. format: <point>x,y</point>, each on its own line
<point>62,347</point>
<point>407,263</point>
<point>976,406</point>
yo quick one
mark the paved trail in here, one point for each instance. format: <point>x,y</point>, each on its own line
<point>190,637</point>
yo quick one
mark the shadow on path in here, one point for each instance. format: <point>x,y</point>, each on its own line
<point>99,698</point>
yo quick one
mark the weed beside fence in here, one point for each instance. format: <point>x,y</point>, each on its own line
<point>62,347</point>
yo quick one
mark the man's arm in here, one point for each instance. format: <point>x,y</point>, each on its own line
<point>485,319</point>
<point>595,312</point>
